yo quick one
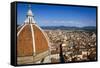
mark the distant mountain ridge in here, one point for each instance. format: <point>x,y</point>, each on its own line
<point>67,27</point>
<point>86,28</point>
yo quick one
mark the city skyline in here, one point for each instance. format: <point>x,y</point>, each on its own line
<point>56,15</point>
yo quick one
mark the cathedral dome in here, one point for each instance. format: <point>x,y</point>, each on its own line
<point>31,41</point>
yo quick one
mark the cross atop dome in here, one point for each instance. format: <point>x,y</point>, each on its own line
<point>29,6</point>
<point>30,16</point>
<point>29,13</point>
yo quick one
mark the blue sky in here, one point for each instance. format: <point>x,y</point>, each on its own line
<point>55,15</point>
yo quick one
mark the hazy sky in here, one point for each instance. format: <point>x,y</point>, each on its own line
<point>50,15</point>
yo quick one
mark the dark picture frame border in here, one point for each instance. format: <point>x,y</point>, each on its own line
<point>13,40</point>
